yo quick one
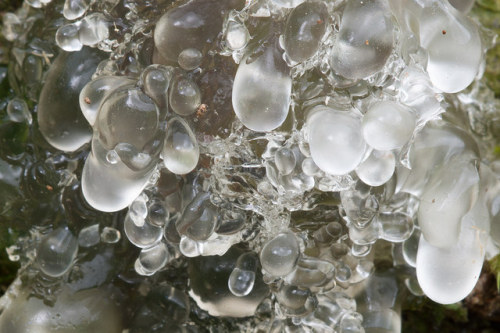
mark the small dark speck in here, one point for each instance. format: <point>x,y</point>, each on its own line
<point>443,32</point>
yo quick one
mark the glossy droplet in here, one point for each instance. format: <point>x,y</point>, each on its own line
<point>378,168</point>
<point>156,80</point>
<point>67,37</point>
<point>190,59</point>
<point>189,248</point>
<point>279,256</point>
<point>362,49</point>
<point>242,278</point>
<point>59,117</point>
<point>89,236</point>
<point>395,227</point>
<point>262,91</point>
<point>56,252</point>
<point>181,151</point>
<point>449,194</point>
<point>237,35</point>
<point>128,116</point>
<point>199,219</point>
<point>447,275</point>
<point>18,111</point>
<point>94,92</point>
<point>335,140</point>
<point>143,236</point>
<point>138,210</point>
<point>453,45</point>
<point>74,9</point>
<point>93,29</point>
<point>285,160</point>
<point>110,235</point>
<point>185,96</point>
<point>154,258</point>
<point>388,125</point>
<point>305,27</point>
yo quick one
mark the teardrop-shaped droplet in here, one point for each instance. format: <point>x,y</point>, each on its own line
<point>156,80</point>
<point>279,255</point>
<point>262,91</point>
<point>143,236</point>
<point>56,252</point>
<point>181,151</point>
<point>185,96</point>
<point>365,39</point>
<point>59,117</point>
<point>305,27</point>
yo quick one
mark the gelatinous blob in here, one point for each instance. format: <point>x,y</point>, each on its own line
<point>447,275</point>
<point>74,9</point>
<point>156,80</point>
<point>67,37</point>
<point>89,236</point>
<point>185,96</point>
<point>154,258</point>
<point>287,3</point>
<point>305,27</point>
<point>279,255</point>
<point>56,252</point>
<point>181,151</point>
<point>190,59</point>
<point>285,160</point>
<point>364,41</point>
<point>143,236</point>
<point>337,146</point>
<point>388,125</point>
<point>237,35</point>
<point>242,278</point>
<point>94,92</point>
<point>395,227</point>
<point>378,168</point>
<point>449,194</point>
<point>262,91</point>
<point>18,111</point>
<point>453,45</point>
<point>191,25</point>
<point>59,117</point>
<point>199,219</point>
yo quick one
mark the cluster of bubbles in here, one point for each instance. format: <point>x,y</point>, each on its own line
<point>298,164</point>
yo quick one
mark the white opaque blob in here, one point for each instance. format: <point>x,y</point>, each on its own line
<point>337,146</point>
<point>453,44</point>
<point>237,35</point>
<point>94,92</point>
<point>365,39</point>
<point>287,3</point>
<point>449,194</point>
<point>262,91</point>
<point>378,168</point>
<point>388,125</point>
<point>181,151</point>
<point>448,275</point>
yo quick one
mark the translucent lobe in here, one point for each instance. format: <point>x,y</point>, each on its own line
<point>388,125</point>
<point>378,168</point>
<point>156,80</point>
<point>59,117</point>
<point>453,45</point>
<point>279,255</point>
<point>337,146</point>
<point>262,91</point>
<point>94,92</point>
<point>305,27</point>
<point>56,252</point>
<point>181,151</point>
<point>185,96</point>
<point>74,9</point>
<point>242,278</point>
<point>365,39</point>
<point>449,194</point>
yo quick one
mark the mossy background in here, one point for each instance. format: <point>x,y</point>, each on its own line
<point>480,312</point>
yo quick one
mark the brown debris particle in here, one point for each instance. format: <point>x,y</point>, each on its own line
<point>367,42</point>
<point>443,32</point>
<point>48,187</point>
<point>202,109</point>
<point>87,100</point>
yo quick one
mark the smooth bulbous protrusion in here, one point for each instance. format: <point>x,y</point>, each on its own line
<point>337,146</point>
<point>181,151</point>
<point>305,27</point>
<point>365,39</point>
<point>262,91</point>
<point>59,117</point>
<point>279,255</point>
<point>57,252</point>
